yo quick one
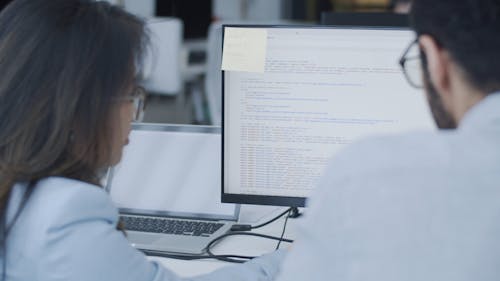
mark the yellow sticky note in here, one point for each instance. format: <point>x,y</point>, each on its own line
<point>244,49</point>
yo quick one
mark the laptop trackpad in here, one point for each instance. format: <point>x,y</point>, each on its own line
<point>142,238</point>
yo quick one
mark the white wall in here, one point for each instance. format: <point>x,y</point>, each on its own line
<point>142,8</point>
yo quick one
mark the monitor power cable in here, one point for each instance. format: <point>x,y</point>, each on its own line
<point>236,258</point>
<point>284,229</point>
<point>211,255</point>
<point>292,212</point>
<point>236,230</point>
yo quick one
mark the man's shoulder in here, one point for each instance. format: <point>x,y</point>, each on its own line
<point>410,150</point>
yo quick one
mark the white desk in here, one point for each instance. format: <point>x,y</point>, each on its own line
<point>244,245</point>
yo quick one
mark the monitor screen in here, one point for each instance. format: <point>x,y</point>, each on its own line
<point>321,89</point>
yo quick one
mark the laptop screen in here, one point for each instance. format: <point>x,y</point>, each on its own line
<point>171,170</point>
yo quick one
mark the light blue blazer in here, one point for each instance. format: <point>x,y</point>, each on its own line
<point>67,231</point>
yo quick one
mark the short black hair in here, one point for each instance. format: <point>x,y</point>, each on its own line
<point>469,30</point>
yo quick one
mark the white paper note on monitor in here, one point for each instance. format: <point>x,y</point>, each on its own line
<point>244,49</point>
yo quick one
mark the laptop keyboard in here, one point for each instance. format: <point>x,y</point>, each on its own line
<point>170,226</point>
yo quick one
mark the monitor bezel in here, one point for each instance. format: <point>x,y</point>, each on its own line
<point>287,201</point>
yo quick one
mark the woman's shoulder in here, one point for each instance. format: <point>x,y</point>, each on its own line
<point>57,201</point>
<point>67,224</point>
<point>69,189</point>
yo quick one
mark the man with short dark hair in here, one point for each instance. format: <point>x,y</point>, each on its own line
<point>420,206</point>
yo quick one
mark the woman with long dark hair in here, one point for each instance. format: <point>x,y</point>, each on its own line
<point>67,96</point>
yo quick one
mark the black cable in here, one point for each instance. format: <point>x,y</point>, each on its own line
<point>284,229</point>
<point>210,255</point>
<point>295,213</point>
<point>237,229</point>
<point>193,257</point>
<point>272,220</point>
<point>247,227</point>
<point>230,259</point>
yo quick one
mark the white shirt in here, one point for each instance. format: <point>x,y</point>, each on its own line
<point>421,206</point>
<point>67,231</point>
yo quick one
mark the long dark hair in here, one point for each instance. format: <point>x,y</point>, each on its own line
<point>63,63</point>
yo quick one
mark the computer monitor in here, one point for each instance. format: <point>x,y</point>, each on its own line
<point>365,19</point>
<point>319,90</point>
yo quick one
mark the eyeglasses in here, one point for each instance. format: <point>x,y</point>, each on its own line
<point>411,64</point>
<point>138,97</point>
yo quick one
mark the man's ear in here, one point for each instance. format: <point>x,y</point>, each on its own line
<point>437,64</point>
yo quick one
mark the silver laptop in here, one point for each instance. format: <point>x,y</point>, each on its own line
<point>167,188</point>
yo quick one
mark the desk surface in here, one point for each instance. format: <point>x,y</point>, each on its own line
<point>243,245</point>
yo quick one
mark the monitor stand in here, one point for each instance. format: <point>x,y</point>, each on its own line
<point>295,213</point>
<point>254,214</point>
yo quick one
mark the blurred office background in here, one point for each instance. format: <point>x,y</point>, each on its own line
<point>182,70</point>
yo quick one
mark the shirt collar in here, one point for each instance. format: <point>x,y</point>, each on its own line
<point>485,114</point>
